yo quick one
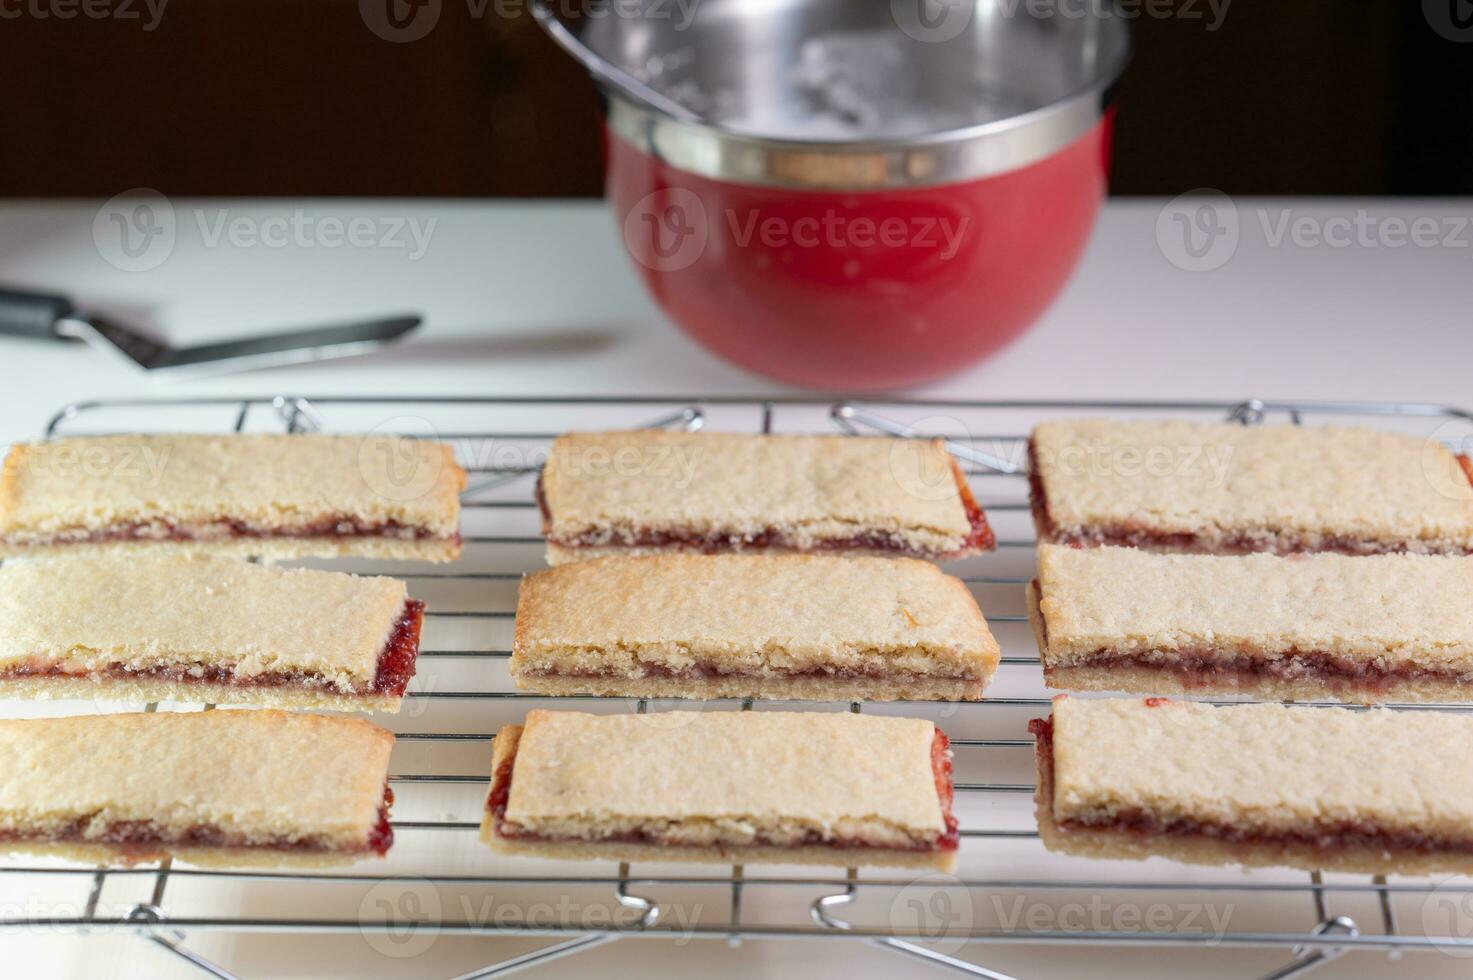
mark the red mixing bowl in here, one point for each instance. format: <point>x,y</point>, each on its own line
<point>829,248</point>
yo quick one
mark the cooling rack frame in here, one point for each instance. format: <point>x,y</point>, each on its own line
<point>1325,935</point>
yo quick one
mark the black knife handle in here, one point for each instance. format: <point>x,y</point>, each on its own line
<point>32,314</point>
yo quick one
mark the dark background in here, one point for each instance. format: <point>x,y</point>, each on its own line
<point>300,97</point>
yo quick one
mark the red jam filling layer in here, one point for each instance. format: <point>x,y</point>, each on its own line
<point>1341,835</point>
<point>396,660</point>
<point>381,837</point>
<point>335,526</point>
<point>1337,836</point>
<point>395,666</point>
<point>1272,541</point>
<point>705,672</point>
<point>980,537</point>
<point>144,840</point>
<point>941,768</point>
<point>1203,668</point>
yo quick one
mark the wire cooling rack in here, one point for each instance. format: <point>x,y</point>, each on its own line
<point>440,881</point>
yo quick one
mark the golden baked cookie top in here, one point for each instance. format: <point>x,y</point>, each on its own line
<point>1404,608</point>
<point>263,483</point>
<point>1263,768</point>
<point>799,610</point>
<point>778,773</point>
<point>1311,487</point>
<point>173,610</point>
<point>266,776</point>
<point>616,487</point>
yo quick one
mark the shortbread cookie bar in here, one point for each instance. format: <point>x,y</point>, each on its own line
<point>1339,789</point>
<point>1367,629</point>
<point>771,626</point>
<point>1231,489</point>
<point>160,627</point>
<point>727,787</point>
<point>210,788</point>
<point>650,491</point>
<point>272,496</point>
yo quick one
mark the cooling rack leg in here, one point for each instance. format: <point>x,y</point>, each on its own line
<point>539,956</point>
<point>820,912</point>
<point>172,944</point>
<point>172,940</point>
<point>1388,915</point>
<point>691,419</point>
<point>1249,412</point>
<point>735,939</point>
<point>649,914</point>
<point>299,414</point>
<point>94,894</point>
<point>941,959</point>
<point>845,416</point>
<point>1313,960</point>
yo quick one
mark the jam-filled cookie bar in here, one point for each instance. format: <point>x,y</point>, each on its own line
<point>1233,489</point>
<point>193,628</point>
<point>772,626</point>
<point>1365,629</point>
<point>1339,789</point>
<point>211,788</point>
<point>727,787</point>
<point>649,491</point>
<point>271,496</point>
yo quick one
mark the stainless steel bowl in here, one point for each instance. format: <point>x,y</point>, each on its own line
<point>985,117</point>
<point>847,93</point>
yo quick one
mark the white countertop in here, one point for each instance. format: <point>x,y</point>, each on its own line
<point>538,299</point>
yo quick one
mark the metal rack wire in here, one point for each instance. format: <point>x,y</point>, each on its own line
<point>948,920</point>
